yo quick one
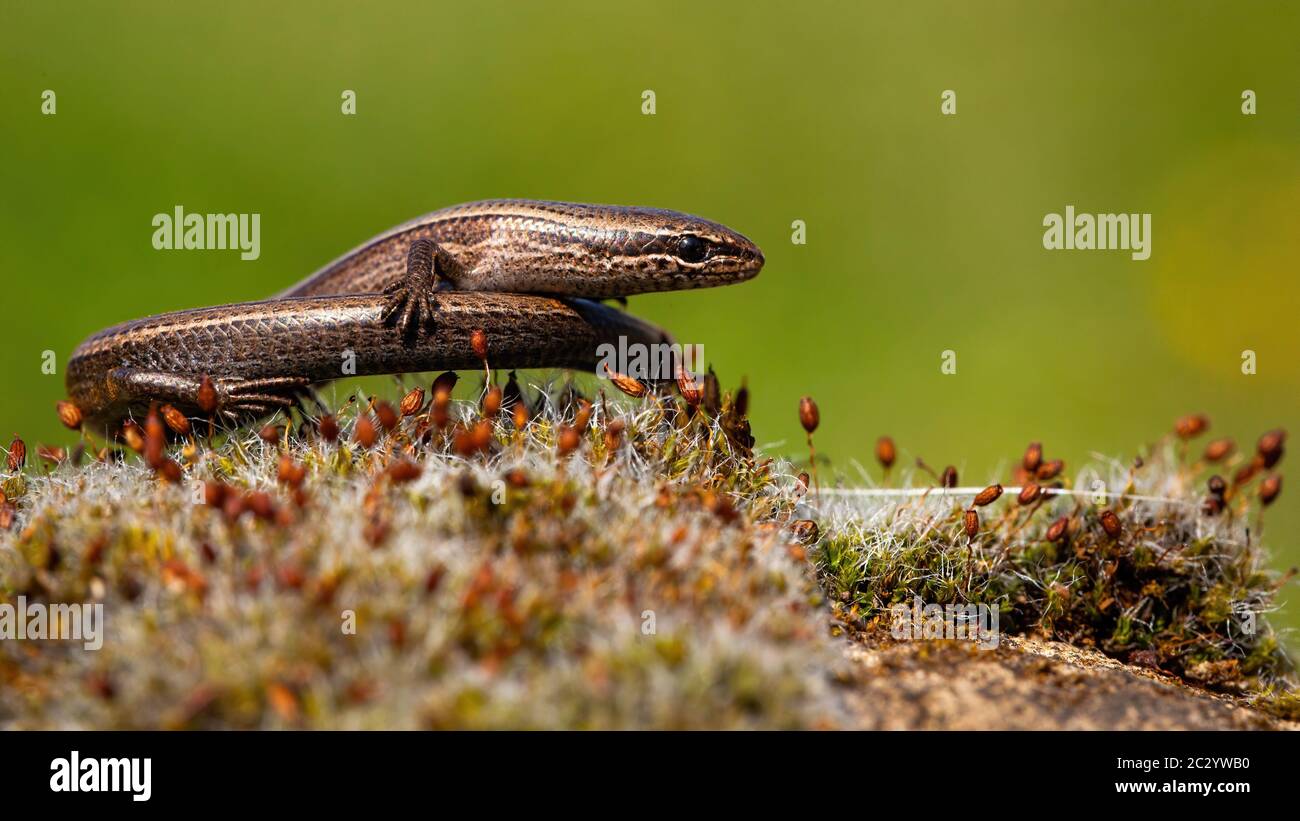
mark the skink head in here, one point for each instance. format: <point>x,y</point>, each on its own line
<point>684,251</point>
<point>595,250</point>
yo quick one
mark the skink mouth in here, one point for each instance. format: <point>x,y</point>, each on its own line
<point>743,261</point>
<point>752,262</point>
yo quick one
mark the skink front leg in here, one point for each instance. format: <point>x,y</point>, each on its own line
<point>409,304</point>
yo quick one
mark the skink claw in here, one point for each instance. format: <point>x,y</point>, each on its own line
<point>237,399</point>
<point>409,306</point>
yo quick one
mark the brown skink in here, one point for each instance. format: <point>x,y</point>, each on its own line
<point>409,300</point>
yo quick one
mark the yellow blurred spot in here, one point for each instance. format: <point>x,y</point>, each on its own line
<point>1226,252</point>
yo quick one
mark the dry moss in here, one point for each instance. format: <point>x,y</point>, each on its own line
<point>1151,575</point>
<point>629,564</point>
<point>635,582</point>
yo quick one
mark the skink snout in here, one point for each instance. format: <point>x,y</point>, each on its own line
<point>715,255</point>
<point>751,259</point>
<point>736,257</point>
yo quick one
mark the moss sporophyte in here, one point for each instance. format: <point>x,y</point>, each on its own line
<point>536,557</point>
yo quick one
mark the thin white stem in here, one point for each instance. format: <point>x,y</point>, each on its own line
<point>940,492</point>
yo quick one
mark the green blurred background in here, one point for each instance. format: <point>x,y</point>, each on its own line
<point>923,231</point>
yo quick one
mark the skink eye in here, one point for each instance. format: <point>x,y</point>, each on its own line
<point>692,249</point>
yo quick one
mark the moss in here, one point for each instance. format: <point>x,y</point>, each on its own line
<point>661,574</point>
<point>639,581</point>
<point>1177,588</point>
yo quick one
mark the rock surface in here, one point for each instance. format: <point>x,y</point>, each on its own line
<point>1029,684</point>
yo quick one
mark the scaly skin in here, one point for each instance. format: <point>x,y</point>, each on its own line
<point>536,247</point>
<point>262,355</point>
<point>259,354</point>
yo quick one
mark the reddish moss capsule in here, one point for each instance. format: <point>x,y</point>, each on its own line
<point>365,433</point>
<point>809,416</point>
<point>175,420</point>
<point>290,472</point>
<point>614,435</point>
<point>568,440</point>
<point>214,493</point>
<point>133,436</point>
<point>1248,471</point>
<point>261,504</point>
<point>412,402</point>
<point>691,391</point>
<point>17,454</point>
<point>1029,494</point>
<point>1111,524</point>
<point>492,402</point>
<point>1270,488</point>
<point>517,479</point>
<point>582,419</point>
<point>988,495</point>
<point>155,439</point>
<point>1218,449</point>
<point>520,416</point>
<point>1057,531</point>
<point>482,434</point>
<point>462,442</point>
<point>1192,425</point>
<point>1033,456</point>
<point>1271,460</point>
<point>402,471</point>
<point>885,451</point>
<point>479,342</point>
<point>329,428</point>
<point>632,387</point>
<point>1050,470</point>
<point>69,414</point>
<point>1269,447</point>
<point>949,477</point>
<point>971,522</point>
<point>444,384</point>
<point>207,396</point>
<point>170,470</point>
<point>387,417</point>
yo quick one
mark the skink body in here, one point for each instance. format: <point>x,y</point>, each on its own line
<point>409,300</point>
